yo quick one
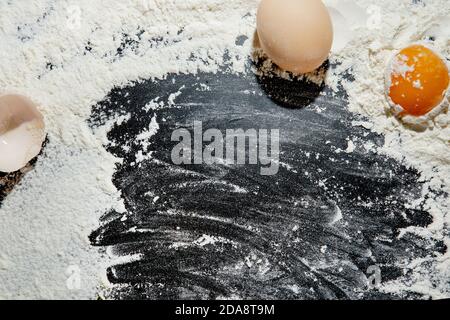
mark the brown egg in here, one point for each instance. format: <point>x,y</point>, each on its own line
<point>296,34</point>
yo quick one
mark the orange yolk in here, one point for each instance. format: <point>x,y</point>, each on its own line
<point>419,80</point>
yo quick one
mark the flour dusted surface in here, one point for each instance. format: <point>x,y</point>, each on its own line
<point>426,146</point>
<point>67,55</point>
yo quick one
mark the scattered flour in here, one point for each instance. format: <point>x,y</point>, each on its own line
<point>67,55</point>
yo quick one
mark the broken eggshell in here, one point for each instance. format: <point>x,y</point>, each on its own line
<point>346,16</point>
<point>22,132</point>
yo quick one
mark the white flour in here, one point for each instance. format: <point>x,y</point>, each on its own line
<point>46,219</point>
<point>429,150</point>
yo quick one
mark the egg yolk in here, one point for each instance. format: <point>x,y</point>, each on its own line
<point>419,80</point>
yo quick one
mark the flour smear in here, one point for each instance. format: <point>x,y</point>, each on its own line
<point>67,55</point>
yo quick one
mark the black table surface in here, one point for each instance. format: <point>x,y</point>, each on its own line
<point>317,229</point>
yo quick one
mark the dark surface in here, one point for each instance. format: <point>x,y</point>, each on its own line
<point>272,234</point>
<point>9,180</point>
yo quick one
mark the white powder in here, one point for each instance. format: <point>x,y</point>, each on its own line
<point>400,66</point>
<point>350,147</point>
<point>144,137</point>
<point>418,84</point>
<point>47,218</point>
